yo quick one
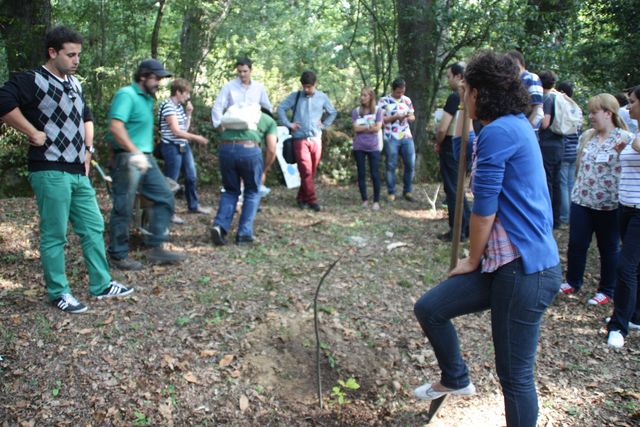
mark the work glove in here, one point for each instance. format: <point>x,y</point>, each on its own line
<point>139,160</point>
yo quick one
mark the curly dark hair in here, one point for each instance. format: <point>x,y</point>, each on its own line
<point>500,91</point>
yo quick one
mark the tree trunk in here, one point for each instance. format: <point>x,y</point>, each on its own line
<point>23,24</point>
<point>417,63</point>
<point>198,28</point>
<point>156,29</point>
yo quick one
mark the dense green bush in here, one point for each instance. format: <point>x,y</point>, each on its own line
<point>13,163</point>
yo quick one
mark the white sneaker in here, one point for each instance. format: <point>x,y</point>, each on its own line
<point>616,340</point>
<point>175,219</point>
<point>426,392</point>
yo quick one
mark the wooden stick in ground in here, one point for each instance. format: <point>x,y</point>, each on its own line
<point>462,172</point>
<point>436,404</point>
<point>316,327</point>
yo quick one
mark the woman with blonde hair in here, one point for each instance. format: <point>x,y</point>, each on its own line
<point>594,199</point>
<point>367,123</point>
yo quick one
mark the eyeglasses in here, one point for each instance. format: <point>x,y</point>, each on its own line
<point>71,93</point>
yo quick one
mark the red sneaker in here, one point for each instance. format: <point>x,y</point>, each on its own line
<point>599,299</point>
<point>566,288</point>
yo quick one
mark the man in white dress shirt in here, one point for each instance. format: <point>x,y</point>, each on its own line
<point>240,90</point>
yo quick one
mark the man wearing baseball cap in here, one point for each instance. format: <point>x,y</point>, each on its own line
<point>134,169</point>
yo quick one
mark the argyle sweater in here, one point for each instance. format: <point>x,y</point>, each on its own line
<point>56,108</point>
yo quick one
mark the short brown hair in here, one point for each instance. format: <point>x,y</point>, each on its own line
<point>180,85</point>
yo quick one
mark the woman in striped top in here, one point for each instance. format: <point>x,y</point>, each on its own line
<point>174,121</point>
<point>594,199</point>
<point>626,312</point>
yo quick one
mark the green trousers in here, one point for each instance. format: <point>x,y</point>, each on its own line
<point>64,197</point>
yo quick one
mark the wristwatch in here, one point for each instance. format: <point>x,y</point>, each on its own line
<point>91,149</point>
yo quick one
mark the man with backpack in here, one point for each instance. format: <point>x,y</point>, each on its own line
<point>560,117</point>
<point>306,124</point>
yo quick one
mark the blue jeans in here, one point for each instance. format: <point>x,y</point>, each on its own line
<point>449,173</point>
<point>627,301</point>
<point>583,223</point>
<point>551,159</point>
<point>517,302</point>
<point>567,176</point>
<point>405,148</point>
<point>127,180</point>
<point>374,162</point>
<point>176,161</point>
<point>237,163</point>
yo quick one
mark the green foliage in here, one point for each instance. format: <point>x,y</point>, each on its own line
<point>183,320</point>
<point>56,390</point>
<point>13,163</point>
<point>349,44</point>
<point>140,419</point>
<point>339,392</point>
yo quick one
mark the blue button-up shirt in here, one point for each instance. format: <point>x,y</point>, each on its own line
<point>308,113</point>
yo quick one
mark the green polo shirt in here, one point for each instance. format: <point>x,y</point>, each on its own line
<point>134,107</point>
<point>266,126</point>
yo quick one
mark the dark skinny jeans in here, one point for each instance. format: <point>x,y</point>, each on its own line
<point>374,162</point>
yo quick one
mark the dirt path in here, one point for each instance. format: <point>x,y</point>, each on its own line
<point>227,338</point>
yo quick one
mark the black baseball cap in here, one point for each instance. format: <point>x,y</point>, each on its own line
<point>153,66</point>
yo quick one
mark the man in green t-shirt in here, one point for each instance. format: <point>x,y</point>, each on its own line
<point>240,158</point>
<point>134,169</point>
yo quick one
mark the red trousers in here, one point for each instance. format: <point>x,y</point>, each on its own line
<point>308,152</point>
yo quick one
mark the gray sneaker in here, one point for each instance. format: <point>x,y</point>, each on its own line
<point>126,264</point>
<point>159,255</point>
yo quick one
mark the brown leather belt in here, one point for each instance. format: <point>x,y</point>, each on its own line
<point>244,143</point>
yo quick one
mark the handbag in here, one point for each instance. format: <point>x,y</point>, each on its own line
<point>287,145</point>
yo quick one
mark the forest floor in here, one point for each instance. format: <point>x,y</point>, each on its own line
<point>227,338</point>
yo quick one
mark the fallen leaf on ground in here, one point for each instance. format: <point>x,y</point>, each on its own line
<point>396,245</point>
<point>165,410</point>
<point>244,403</point>
<point>190,377</point>
<point>226,360</point>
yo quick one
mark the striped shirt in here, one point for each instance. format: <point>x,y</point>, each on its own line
<point>168,108</point>
<point>629,192</point>
<point>570,147</point>
<point>532,83</point>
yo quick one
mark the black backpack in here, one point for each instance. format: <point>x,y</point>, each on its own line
<point>287,146</point>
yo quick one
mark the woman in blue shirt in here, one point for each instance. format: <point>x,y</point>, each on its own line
<point>513,264</point>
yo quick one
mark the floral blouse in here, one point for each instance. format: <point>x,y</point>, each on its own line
<point>390,107</point>
<point>596,184</point>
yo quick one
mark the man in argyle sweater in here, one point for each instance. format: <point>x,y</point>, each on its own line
<point>46,104</point>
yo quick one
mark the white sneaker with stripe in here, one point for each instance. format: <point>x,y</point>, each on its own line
<point>69,304</point>
<point>114,290</point>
